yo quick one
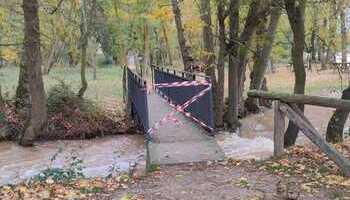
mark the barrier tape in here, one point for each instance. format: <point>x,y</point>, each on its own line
<point>181,84</point>
<point>181,109</point>
<point>188,114</point>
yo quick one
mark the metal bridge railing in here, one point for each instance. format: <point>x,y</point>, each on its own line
<point>201,109</point>
<point>137,97</point>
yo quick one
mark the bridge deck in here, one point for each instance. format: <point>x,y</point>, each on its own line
<point>174,144</point>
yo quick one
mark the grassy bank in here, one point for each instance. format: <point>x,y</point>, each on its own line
<point>107,86</point>
<point>317,83</point>
<point>69,117</point>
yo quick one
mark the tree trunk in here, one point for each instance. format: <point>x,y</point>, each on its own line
<point>336,124</point>
<point>84,84</point>
<point>93,60</point>
<point>343,35</point>
<point>232,113</point>
<point>36,112</point>
<point>1,98</point>
<point>209,57</point>
<point>146,46</point>
<point>258,11</point>
<point>323,48</point>
<point>219,119</point>
<point>314,33</point>
<point>167,45</point>
<point>330,56</point>
<point>84,46</point>
<point>50,60</point>
<point>266,38</point>
<point>184,48</point>
<point>158,50</point>
<point>296,10</point>
<point>53,56</point>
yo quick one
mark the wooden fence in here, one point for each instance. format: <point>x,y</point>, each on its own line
<point>285,105</point>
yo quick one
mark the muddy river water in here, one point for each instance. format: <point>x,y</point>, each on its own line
<point>98,156</point>
<point>254,141</point>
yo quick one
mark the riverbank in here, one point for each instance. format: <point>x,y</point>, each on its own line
<point>99,157</point>
<point>303,174</point>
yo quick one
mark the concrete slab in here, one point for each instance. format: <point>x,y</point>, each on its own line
<point>173,143</point>
<point>184,152</point>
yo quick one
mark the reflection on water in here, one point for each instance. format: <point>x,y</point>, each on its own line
<point>98,155</point>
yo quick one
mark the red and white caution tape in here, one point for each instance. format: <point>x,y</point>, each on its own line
<point>181,84</point>
<point>189,115</point>
<point>170,116</point>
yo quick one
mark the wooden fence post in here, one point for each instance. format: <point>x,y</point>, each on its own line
<point>279,128</point>
<point>296,115</point>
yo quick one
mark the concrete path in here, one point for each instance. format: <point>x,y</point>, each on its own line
<point>175,144</point>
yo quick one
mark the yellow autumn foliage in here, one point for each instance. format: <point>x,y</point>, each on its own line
<point>76,3</point>
<point>194,25</point>
<point>9,54</point>
<point>162,14</point>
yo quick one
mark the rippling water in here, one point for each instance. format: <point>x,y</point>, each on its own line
<point>98,155</point>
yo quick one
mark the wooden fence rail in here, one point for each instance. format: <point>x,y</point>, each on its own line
<point>286,105</point>
<point>302,99</point>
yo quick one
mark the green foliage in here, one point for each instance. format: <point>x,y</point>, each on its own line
<point>3,118</point>
<point>73,172</point>
<point>243,183</point>
<point>114,169</point>
<point>105,62</point>
<point>153,168</point>
<point>93,190</point>
<point>60,96</point>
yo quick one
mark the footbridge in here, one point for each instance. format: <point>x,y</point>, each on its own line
<point>175,111</point>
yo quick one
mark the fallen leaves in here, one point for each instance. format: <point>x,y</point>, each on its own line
<point>314,168</point>
<point>303,171</point>
<point>79,189</point>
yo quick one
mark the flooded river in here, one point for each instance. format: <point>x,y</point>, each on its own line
<point>254,141</point>
<point>98,156</point>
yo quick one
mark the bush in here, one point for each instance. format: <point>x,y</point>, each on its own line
<point>107,61</point>
<point>61,96</point>
<point>10,123</point>
<point>71,117</point>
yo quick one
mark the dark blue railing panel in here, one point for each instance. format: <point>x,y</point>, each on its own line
<point>201,109</point>
<point>137,95</point>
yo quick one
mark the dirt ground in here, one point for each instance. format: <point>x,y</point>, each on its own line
<point>222,181</point>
